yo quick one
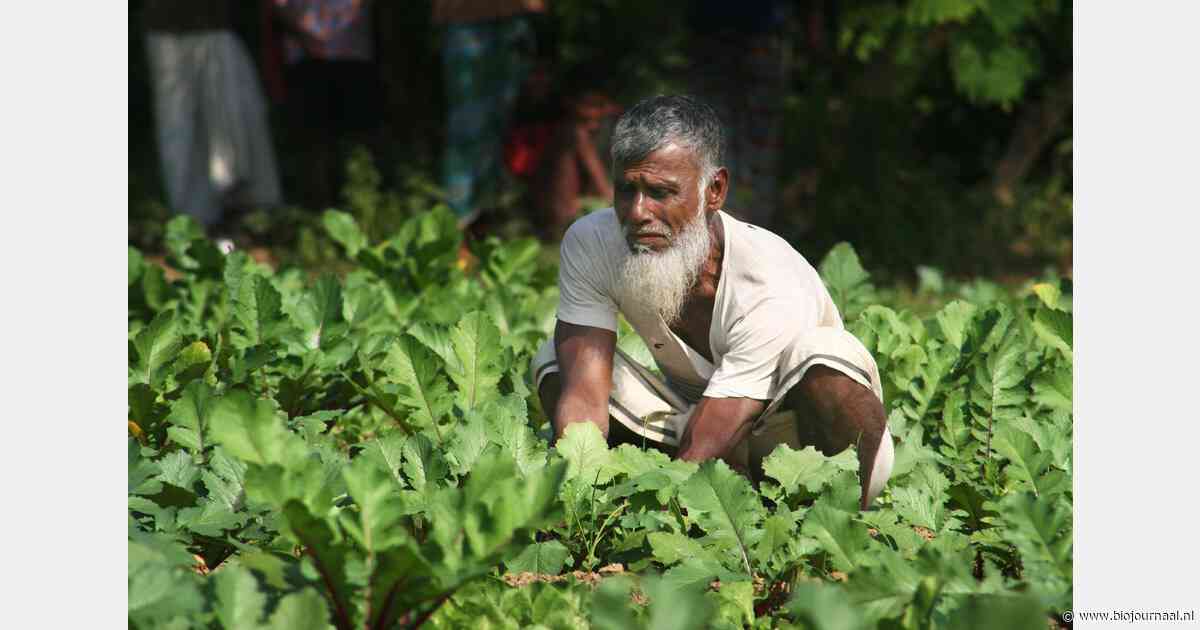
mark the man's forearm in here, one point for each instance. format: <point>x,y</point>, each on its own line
<point>576,408</point>
<point>717,426</point>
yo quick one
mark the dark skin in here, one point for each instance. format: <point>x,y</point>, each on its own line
<point>656,197</point>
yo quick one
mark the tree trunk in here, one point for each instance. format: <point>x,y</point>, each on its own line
<point>1038,123</point>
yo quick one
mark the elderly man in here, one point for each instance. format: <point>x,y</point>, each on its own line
<point>750,345</point>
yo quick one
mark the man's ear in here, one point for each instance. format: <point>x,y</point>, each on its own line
<point>718,188</point>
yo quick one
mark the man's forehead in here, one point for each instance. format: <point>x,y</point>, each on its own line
<point>671,161</point>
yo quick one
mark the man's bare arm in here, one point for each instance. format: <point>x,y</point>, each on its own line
<point>716,426</point>
<point>585,360</point>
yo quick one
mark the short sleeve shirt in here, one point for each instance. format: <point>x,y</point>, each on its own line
<point>767,295</point>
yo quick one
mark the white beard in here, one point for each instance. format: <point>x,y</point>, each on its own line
<point>663,280</point>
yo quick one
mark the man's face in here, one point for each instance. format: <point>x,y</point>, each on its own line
<point>656,197</point>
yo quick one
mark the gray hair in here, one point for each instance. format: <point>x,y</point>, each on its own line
<point>660,120</point>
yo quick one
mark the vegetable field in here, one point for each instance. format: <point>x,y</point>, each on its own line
<point>363,450</point>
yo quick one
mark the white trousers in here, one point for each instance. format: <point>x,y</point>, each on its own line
<point>645,404</point>
<point>212,123</point>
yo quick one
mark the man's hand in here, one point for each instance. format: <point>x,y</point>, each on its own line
<point>716,426</point>
<point>585,363</point>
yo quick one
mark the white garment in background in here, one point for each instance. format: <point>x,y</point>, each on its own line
<point>212,123</point>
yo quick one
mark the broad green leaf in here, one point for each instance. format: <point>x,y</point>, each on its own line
<point>420,387</point>
<point>793,469</point>
<point>611,609</point>
<point>305,610</point>
<point>697,573</point>
<point>328,552</point>
<point>998,381</point>
<point>156,345</point>
<point>252,430</point>
<point>239,603</point>
<point>1041,531</point>
<point>190,416</point>
<point>193,362</point>
<point>162,584</point>
<point>670,548</point>
<point>1049,294</point>
<point>224,478</point>
<point>998,612</point>
<point>477,350</point>
<point>423,464</point>
<point>548,558</point>
<point>211,518</point>
<point>319,313</point>
<point>733,603</point>
<point>677,606</point>
<point>467,443</point>
<point>343,229</point>
<point>1053,328</point>
<point>779,531</point>
<point>845,540</point>
<point>186,246</point>
<point>508,426</point>
<point>922,500</point>
<point>137,265</point>
<point>848,283</point>
<point>1054,390</point>
<point>724,504</point>
<point>142,471</point>
<point>586,452</point>
<point>955,320</point>
<point>178,470</point>
<point>824,607</point>
<point>1028,464</point>
<point>437,339</point>
<point>258,308</point>
<point>953,429</point>
<point>375,522</point>
<point>388,454</point>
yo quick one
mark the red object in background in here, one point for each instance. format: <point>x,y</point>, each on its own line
<point>524,146</point>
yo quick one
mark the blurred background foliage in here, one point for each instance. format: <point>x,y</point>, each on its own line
<point>931,134</point>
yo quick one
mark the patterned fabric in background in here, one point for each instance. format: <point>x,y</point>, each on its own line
<point>341,29</point>
<point>484,65</point>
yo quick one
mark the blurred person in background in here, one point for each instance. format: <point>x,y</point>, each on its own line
<point>487,51</point>
<point>213,139</point>
<point>553,146</point>
<point>330,85</point>
<point>738,66</point>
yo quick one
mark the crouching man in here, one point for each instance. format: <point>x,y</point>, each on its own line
<point>751,347</point>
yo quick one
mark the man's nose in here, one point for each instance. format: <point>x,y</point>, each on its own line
<point>638,211</point>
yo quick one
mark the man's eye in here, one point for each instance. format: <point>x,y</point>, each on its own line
<point>659,193</point>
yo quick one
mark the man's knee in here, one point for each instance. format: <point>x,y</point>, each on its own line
<point>838,409</point>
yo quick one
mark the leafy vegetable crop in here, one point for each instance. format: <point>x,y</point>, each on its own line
<point>366,452</point>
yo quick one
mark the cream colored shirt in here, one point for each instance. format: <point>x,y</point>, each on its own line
<point>767,295</point>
